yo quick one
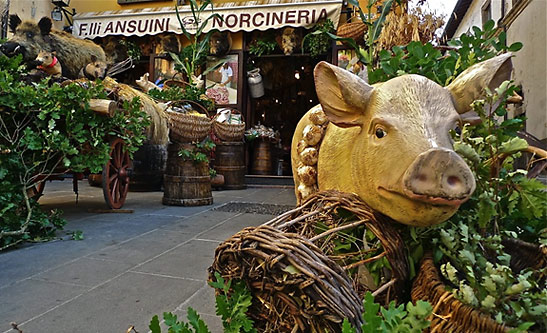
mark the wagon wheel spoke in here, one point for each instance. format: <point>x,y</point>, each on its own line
<point>119,150</point>
<point>112,167</point>
<point>121,188</point>
<point>115,175</point>
<point>111,178</point>
<point>114,190</point>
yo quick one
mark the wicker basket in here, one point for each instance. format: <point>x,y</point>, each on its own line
<point>295,287</point>
<point>451,315</point>
<point>187,127</point>
<point>229,132</point>
<point>175,83</point>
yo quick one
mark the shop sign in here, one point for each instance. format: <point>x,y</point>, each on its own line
<point>247,16</point>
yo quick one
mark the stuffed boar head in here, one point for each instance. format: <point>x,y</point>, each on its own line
<point>29,38</point>
<point>113,49</point>
<point>290,40</point>
<point>220,43</point>
<point>166,43</point>
<point>96,69</point>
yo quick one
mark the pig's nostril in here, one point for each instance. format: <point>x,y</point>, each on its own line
<point>453,180</point>
<point>421,177</point>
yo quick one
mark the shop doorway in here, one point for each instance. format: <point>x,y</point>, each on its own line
<point>289,92</point>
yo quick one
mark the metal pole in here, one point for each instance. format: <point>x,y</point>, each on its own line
<point>4,17</point>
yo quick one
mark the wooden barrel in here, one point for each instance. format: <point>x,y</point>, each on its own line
<point>95,179</point>
<point>185,183</point>
<point>148,168</point>
<point>262,164</point>
<point>230,162</point>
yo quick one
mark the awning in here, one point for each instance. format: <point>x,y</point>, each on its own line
<point>236,16</point>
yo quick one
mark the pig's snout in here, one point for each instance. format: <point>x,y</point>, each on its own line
<point>439,176</point>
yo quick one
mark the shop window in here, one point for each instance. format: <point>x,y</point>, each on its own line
<point>486,11</point>
<point>223,82</point>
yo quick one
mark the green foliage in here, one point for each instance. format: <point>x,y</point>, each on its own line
<point>426,60</point>
<point>194,55</point>
<point>46,129</point>
<point>41,225</point>
<point>77,235</point>
<point>505,204</point>
<point>133,50</point>
<point>412,319</point>
<point>505,199</point>
<point>194,325</point>
<point>263,46</point>
<point>318,41</point>
<point>232,303</point>
<point>190,92</point>
<point>199,153</point>
<point>375,25</point>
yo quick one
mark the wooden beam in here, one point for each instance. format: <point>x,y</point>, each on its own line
<point>105,107</point>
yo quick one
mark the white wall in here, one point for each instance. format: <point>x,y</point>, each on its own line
<point>473,16</point>
<point>529,64</point>
<point>530,68</point>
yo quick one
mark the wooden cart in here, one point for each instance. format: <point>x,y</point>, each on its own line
<point>116,172</point>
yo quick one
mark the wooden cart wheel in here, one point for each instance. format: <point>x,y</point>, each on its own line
<point>116,175</point>
<point>37,191</point>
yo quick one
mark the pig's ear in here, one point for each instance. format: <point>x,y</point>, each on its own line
<point>45,25</point>
<point>343,95</point>
<point>14,22</point>
<point>470,84</point>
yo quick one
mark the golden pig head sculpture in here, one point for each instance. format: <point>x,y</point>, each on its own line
<point>390,143</point>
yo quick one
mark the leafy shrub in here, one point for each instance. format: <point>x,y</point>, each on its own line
<point>409,319</point>
<point>506,204</point>
<point>46,129</point>
<point>318,41</point>
<point>195,323</point>
<point>232,302</point>
<point>199,153</point>
<point>190,92</point>
<point>426,60</point>
<point>260,47</point>
<point>193,56</point>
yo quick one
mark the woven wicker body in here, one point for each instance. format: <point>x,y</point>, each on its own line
<point>295,287</point>
<point>450,315</point>
<point>326,208</point>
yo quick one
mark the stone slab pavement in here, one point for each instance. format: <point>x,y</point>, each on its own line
<point>127,268</point>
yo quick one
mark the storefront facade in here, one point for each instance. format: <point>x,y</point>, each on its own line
<point>287,77</point>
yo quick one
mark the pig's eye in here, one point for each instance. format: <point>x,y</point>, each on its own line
<point>380,133</point>
<point>30,35</point>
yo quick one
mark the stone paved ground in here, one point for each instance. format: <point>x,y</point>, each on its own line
<point>127,268</point>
